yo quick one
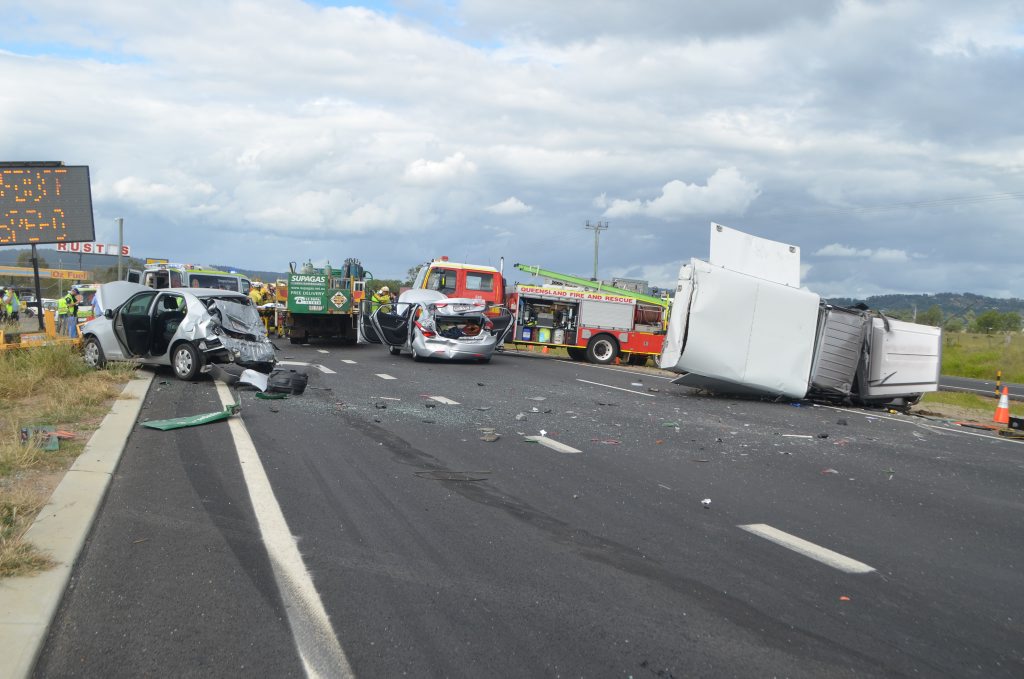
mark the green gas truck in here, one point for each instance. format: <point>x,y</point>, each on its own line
<point>324,302</point>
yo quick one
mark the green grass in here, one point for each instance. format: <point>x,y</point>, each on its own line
<point>981,356</point>
<point>985,406</point>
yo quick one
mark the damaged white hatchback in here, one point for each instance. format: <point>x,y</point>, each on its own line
<point>185,328</point>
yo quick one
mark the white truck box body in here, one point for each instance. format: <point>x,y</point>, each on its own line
<point>735,329</point>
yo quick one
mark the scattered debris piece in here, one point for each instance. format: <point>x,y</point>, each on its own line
<point>484,408</point>
<point>844,598</point>
<point>797,436</point>
<point>44,436</point>
<point>520,417</point>
<point>636,384</point>
<point>662,485</point>
<point>192,420</point>
<point>706,502</point>
<point>490,437</point>
<point>796,405</point>
<point>543,433</point>
<point>823,435</point>
<point>610,442</point>
<point>670,424</point>
<point>604,403</point>
<point>891,472</point>
<point>387,398</point>
<point>535,410</point>
<point>842,422</point>
<point>380,406</point>
<point>536,398</point>
<point>140,541</point>
<point>702,460</point>
<point>271,397</point>
<point>829,471</point>
<point>427,421</point>
<point>480,384</point>
<point>658,442</point>
<point>430,405</point>
<point>275,410</point>
<point>653,389</point>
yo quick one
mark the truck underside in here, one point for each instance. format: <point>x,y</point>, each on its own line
<point>303,327</point>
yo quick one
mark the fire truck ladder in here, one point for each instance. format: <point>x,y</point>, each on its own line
<point>594,285</point>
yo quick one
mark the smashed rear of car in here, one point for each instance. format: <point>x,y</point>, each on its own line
<point>236,323</point>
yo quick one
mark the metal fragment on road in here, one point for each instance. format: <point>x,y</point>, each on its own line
<point>552,444</point>
<point>445,475</point>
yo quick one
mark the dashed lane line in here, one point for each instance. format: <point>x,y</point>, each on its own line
<point>385,376</point>
<point>552,444</point>
<point>442,399</point>
<point>808,549</point>
<point>322,351</point>
<point>319,650</point>
<point>348,360</point>
<point>632,391</point>
<point>322,368</point>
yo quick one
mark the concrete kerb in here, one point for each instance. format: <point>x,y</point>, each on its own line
<point>29,604</point>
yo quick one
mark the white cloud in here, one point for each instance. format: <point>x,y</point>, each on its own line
<point>509,206</point>
<point>429,173</point>
<point>839,250</point>
<point>726,192</point>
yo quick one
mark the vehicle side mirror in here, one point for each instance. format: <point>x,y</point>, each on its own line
<point>108,313</point>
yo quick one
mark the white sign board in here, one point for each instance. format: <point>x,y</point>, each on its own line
<point>94,249</point>
<point>759,257</point>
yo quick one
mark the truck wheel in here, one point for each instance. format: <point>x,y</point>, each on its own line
<point>576,354</point>
<point>299,340</point>
<point>185,361</point>
<point>602,349</point>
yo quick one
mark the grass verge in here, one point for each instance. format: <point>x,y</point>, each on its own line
<point>43,386</point>
<point>964,406</point>
<point>981,356</point>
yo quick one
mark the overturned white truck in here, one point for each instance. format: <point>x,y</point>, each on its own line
<point>741,324</point>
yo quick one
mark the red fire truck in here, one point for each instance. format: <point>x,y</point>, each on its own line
<point>592,321</point>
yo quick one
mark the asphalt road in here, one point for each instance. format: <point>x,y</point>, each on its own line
<point>435,553</point>
<point>980,387</point>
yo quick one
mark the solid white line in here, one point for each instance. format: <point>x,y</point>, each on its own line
<point>385,376</point>
<point>323,351</point>
<point>619,388</point>
<point>348,360</point>
<point>552,444</point>
<point>946,430</point>
<point>442,399</point>
<point>808,549</point>
<point>321,654</point>
<point>635,373</point>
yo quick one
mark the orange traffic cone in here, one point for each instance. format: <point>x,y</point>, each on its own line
<point>545,350</point>
<point>1003,409</point>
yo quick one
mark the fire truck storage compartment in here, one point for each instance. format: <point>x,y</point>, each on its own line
<point>606,315</point>
<point>545,320</point>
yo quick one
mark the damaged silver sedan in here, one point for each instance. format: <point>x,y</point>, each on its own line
<point>185,328</point>
<point>427,324</point>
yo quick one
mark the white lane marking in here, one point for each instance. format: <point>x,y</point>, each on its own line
<point>323,351</point>
<point>641,393</point>
<point>808,549</point>
<point>385,376</point>
<point>442,399</point>
<point>552,444</point>
<point>321,654</point>
<point>348,360</point>
<point>936,428</point>
<point>322,368</point>
<point>634,373</point>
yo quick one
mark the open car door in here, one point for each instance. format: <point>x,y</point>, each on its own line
<point>502,322</point>
<point>392,326</point>
<point>365,332</point>
<point>133,324</point>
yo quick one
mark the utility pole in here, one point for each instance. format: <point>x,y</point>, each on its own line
<point>597,228</point>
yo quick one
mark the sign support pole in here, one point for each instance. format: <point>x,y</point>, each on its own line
<point>120,246</point>
<point>39,293</point>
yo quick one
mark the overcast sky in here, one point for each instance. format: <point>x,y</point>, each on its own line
<point>886,139</point>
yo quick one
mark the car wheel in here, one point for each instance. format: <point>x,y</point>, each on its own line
<point>92,352</point>
<point>185,361</point>
<point>602,349</point>
<point>394,351</point>
<point>416,357</point>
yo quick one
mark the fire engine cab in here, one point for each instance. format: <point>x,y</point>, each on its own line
<point>473,281</point>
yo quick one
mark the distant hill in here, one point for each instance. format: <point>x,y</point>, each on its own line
<point>954,305</point>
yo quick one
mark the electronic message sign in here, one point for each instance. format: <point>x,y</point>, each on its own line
<point>45,203</point>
